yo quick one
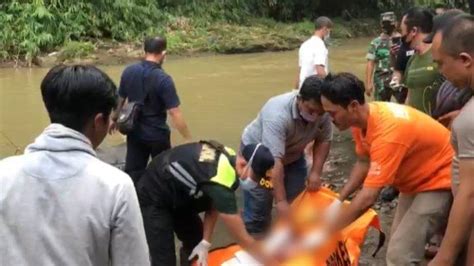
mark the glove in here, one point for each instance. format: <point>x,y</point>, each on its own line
<point>314,239</point>
<point>201,250</point>
<point>332,211</point>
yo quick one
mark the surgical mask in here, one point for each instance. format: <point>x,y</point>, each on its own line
<point>327,36</point>
<point>248,183</point>
<point>308,117</point>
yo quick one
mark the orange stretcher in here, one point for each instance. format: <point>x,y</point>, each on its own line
<point>340,249</point>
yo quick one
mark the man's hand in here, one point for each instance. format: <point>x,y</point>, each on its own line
<point>369,88</point>
<point>283,208</point>
<point>394,49</point>
<point>448,118</point>
<point>202,251</point>
<point>112,127</point>
<point>314,182</point>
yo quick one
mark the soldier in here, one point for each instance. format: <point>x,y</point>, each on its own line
<point>379,66</point>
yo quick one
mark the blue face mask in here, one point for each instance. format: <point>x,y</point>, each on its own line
<point>247,183</point>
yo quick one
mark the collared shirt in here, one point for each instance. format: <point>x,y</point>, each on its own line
<point>280,127</point>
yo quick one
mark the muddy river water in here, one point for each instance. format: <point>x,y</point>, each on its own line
<point>220,94</point>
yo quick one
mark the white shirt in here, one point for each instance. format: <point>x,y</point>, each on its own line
<point>312,52</point>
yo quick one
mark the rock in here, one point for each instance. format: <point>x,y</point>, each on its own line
<point>385,209</point>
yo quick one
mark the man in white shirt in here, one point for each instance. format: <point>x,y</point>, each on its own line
<point>313,53</point>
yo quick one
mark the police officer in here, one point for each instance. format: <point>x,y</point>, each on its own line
<point>192,178</point>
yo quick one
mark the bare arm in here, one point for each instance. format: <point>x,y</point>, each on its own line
<point>115,114</point>
<point>297,80</point>
<point>210,218</point>
<point>364,199</point>
<point>369,77</point>
<point>278,182</point>
<point>321,71</point>
<point>460,218</point>
<point>178,121</point>
<point>357,177</point>
<point>320,154</point>
<point>237,229</point>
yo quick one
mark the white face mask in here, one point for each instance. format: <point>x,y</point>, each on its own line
<point>248,183</point>
<point>327,36</point>
<point>308,117</point>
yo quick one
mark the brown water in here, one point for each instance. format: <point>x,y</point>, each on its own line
<point>220,94</point>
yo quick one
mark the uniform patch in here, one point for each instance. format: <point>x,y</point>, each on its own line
<point>208,154</point>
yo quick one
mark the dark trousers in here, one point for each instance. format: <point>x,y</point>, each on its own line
<point>160,226</point>
<point>138,155</point>
<point>257,214</point>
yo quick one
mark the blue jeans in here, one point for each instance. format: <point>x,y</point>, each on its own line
<point>258,202</point>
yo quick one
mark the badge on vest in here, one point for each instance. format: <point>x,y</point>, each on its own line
<point>208,154</point>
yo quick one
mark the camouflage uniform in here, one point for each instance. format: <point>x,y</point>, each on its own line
<point>379,52</point>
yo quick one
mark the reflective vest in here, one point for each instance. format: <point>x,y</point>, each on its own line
<point>195,164</point>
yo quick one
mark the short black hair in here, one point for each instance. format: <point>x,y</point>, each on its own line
<point>458,35</point>
<point>155,45</point>
<point>343,88</point>
<point>322,22</point>
<point>419,17</point>
<point>75,94</point>
<point>311,89</point>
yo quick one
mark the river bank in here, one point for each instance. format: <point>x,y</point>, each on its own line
<point>186,39</point>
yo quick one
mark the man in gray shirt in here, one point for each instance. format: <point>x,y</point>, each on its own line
<point>453,50</point>
<point>59,204</point>
<point>286,124</point>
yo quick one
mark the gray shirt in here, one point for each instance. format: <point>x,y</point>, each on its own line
<point>462,138</point>
<point>280,127</point>
<point>60,205</point>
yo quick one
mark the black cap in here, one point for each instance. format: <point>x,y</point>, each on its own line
<point>441,20</point>
<point>262,159</point>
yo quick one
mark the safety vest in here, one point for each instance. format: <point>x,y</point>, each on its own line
<point>214,163</point>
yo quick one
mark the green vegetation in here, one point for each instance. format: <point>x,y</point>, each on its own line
<point>30,27</point>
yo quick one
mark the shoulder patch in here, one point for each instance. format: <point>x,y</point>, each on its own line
<point>208,154</point>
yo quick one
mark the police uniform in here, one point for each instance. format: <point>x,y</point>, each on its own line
<point>178,185</point>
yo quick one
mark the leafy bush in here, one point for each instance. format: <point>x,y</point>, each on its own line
<point>73,49</point>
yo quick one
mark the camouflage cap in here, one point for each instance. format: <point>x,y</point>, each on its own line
<point>388,16</point>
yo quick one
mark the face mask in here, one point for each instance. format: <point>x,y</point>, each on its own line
<point>248,183</point>
<point>388,29</point>
<point>308,117</point>
<point>327,36</point>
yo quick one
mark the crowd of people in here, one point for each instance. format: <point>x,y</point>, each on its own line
<point>60,205</point>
